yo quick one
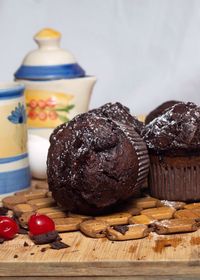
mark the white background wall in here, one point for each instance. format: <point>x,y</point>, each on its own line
<point>142,51</point>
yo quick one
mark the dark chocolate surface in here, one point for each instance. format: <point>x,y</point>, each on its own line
<point>45,238</point>
<point>159,110</point>
<point>121,228</point>
<point>58,245</point>
<point>120,113</point>
<point>93,161</point>
<point>3,211</point>
<point>176,132</point>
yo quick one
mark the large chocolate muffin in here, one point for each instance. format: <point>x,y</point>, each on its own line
<point>158,111</point>
<point>95,162</point>
<point>173,140</point>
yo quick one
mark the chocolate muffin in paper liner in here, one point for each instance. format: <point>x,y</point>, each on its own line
<point>96,162</point>
<point>173,141</point>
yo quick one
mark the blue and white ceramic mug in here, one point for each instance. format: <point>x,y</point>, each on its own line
<point>14,167</point>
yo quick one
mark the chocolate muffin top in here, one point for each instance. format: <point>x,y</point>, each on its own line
<point>160,110</point>
<point>118,112</point>
<point>95,162</point>
<point>176,131</point>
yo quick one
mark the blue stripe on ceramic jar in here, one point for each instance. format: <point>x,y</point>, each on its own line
<point>53,72</point>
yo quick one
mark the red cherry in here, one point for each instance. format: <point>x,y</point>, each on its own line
<point>40,224</point>
<point>8,228</point>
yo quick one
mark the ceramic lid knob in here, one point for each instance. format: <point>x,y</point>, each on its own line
<point>47,33</point>
<point>49,51</point>
<point>48,38</point>
<point>49,61</point>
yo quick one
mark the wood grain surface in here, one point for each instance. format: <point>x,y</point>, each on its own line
<point>173,255</point>
<point>168,257</point>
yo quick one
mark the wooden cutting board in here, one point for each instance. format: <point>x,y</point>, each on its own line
<point>150,258</point>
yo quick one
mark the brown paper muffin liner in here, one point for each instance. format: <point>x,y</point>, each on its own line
<point>142,153</point>
<point>175,178</point>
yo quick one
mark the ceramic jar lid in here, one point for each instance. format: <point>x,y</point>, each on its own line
<point>49,61</point>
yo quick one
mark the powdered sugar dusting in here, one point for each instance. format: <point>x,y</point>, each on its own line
<point>178,127</point>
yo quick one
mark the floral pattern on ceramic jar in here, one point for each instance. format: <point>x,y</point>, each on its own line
<point>48,109</point>
<point>14,167</point>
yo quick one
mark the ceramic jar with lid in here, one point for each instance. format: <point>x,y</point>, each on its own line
<point>56,86</point>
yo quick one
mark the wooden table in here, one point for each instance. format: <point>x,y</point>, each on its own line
<point>155,257</point>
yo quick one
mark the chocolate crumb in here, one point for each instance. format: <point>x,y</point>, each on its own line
<point>32,254</point>
<point>15,218</point>
<point>45,238</point>
<point>43,249</point>
<point>152,227</point>
<point>167,245</point>
<point>3,211</point>
<point>15,256</point>
<point>122,229</point>
<point>22,231</point>
<point>57,245</point>
<point>26,244</point>
<point>2,240</point>
<point>58,238</point>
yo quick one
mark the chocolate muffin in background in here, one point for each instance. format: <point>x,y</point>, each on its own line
<point>160,110</point>
<point>173,141</point>
<point>97,160</point>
